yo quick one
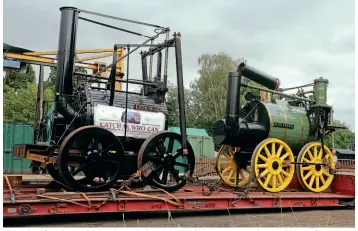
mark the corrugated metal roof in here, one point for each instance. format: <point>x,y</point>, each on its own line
<point>345,151</point>
<point>190,131</point>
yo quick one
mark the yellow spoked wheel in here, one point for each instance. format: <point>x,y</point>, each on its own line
<point>271,163</point>
<point>227,168</point>
<point>315,178</point>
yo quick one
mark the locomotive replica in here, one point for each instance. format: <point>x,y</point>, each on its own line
<point>96,136</point>
<point>275,139</point>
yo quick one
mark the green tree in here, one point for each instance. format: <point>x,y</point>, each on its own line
<point>20,104</point>
<point>342,137</point>
<point>191,113</point>
<point>18,80</point>
<point>210,89</point>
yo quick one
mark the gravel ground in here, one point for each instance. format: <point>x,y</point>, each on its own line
<point>266,218</point>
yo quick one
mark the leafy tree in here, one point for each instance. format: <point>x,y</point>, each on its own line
<point>18,80</point>
<point>342,137</point>
<point>20,104</point>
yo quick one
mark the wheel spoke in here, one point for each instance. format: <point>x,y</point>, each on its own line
<point>273,149</point>
<point>182,164</point>
<point>317,182</point>
<point>157,169</point>
<point>312,180</point>
<point>284,156</point>
<point>165,175</point>
<point>78,170</point>
<point>280,180</point>
<point>278,153</point>
<point>268,154</point>
<point>76,158</point>
<point>322,179</point>
<point>230,174</point>
<point>310,155</point>
<point>154,158</point>
<point>175,174</point>
<point>170,145</point>
<point>261,166</point>
<point>264,173</point>
<point>226,156</point>
<point>326,173</point>
<point>274,181</point>
<point>305,160</point>
<point>177,155</point>
<point>308,175</point>
<point>267,179</point>
<point>226,169</point>
<point>315,151</point>
<point>285,173</point>
<point>306,168</point>
<point>106,149</point>
<point>263,158</point>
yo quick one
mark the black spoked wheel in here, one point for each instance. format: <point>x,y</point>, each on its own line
<point>164,150</point>
<point>96,156</point>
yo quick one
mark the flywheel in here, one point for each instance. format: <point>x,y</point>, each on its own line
<point>170,164</point>
<point>272,165</point>
<point>227,167</point>
<point>315,177</point>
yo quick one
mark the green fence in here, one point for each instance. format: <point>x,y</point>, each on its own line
<point>14,133</point>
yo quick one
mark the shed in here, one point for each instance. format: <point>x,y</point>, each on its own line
<point>202,143</point>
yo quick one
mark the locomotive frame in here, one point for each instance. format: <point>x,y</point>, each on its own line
<point>71,139</point>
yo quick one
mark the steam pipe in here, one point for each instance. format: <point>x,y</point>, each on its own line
<point>257,76</point>
<point>277,93</point>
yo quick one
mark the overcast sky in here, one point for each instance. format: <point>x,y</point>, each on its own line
<point>296,41</point>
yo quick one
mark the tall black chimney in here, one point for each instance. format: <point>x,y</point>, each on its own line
<point>66,50</point>
<point>233,98</point>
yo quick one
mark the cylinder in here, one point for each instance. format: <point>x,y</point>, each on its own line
<point>233,98</point>
<point>320,91</point>
<point>66,50</point>
<point>257,76</point>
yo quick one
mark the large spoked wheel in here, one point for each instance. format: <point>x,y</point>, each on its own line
<point>227,163</point>
<point>96,155</point>
<point>164,151</point>
<point>315,178</point>
<point>271,163</point>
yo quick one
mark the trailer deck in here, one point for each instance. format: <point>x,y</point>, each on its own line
<point>35,199</point>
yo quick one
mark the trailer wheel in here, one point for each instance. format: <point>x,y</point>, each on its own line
<point>164,150</point>
<point>94,151</point>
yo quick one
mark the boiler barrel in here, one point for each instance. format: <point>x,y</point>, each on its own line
<point>259,77</point>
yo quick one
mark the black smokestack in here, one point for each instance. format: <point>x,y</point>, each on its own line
<point>66,50</point>
<point>233,98</point>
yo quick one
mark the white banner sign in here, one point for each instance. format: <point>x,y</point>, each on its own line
<point>140,124</point>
